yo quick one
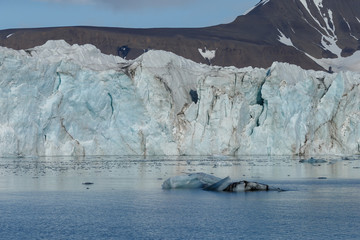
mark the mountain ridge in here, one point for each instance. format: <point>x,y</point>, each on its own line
<point>309,33</point>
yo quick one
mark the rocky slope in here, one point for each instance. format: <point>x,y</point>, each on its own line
<point>313,34</point>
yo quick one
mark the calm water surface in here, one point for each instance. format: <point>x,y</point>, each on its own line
<point>45,198</point>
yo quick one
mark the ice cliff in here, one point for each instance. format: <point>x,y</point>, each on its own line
<point>58,99</point>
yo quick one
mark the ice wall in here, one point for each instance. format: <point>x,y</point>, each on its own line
<point>58,99</point>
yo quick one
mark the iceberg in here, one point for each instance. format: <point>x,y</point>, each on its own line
<point>61,99</point>
<point>209,182</point>
<point>190,181</point>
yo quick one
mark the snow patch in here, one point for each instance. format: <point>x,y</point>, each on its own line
<point>9,35</point>
<point>329,39</point>
<point>350,63</point>
<point>351,35</point>
<point>207,54</point>
<point>332,29</point>
<point>285,40</point>
<point>318,3</point>
<point>347,23</point>
<point>263,2</point>
<point>329,44</point>
<point>305,5</point>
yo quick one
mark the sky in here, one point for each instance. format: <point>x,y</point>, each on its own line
<point>120,13</point>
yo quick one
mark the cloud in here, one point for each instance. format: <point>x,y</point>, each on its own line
<point>128,4</point>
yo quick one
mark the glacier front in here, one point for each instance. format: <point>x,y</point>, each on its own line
<point>59,99</point>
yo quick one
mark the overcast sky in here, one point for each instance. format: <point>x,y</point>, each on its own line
<point>120,13</point>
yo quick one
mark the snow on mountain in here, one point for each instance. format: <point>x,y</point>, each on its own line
<point>313,34</point>
<point>329,21</point>
<point>262,2</point>
<point>59,99</point>
<point>350,63</point>
<point>207,54</point>
<point>326,31</point>
<point>285,40</point>
<point>328,38</point>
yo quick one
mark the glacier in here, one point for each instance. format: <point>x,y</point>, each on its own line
<point>60,99</point>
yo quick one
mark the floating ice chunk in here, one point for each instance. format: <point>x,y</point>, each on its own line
<point>211,183</point>
<point>223,164</point>
<point>193,180</point>
<point>313,160</point>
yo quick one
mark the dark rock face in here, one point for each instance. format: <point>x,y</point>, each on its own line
<point>251,40</point>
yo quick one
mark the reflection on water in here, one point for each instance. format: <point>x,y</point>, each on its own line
<point>122,172</point>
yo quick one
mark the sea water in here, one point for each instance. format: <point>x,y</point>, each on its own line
<point>47,198</point>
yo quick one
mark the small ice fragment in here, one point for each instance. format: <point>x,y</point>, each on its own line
<point>313,160</point>
<point>88,183</point>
